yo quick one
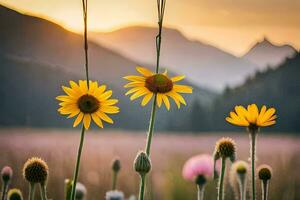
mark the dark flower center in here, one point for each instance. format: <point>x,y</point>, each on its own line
<point>159,83</point>
<point>88,104</point>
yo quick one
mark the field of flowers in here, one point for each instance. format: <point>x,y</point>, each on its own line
<point>169,152</point>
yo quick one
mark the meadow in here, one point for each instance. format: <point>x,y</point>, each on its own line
<point>169,152</point>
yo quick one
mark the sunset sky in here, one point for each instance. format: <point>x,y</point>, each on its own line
<point>232,25</point>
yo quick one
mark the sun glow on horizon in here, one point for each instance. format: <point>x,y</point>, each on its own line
<point>230,35</point>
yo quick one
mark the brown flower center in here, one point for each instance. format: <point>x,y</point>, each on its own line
<point>159,83</point>
<point>88,104</point>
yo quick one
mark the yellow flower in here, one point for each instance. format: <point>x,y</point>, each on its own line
<point>251,117</point>
<point>87,104</point>
<point>150,84</point>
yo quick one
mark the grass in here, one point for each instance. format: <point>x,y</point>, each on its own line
<point>58,148</point>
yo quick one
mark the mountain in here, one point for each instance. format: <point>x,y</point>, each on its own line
<point>279,88</point>
<point>38,56</point>
<point>266,54</point>
<point>203,64</point>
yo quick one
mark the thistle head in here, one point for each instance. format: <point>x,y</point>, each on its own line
<point>116,165</point>
<point>14,194</point>
<point>6,174</point>
<point>36,170</point>
<point>225,148</point>
<point>264,172</point>
<point>114,195</point>
<point>142,163</point>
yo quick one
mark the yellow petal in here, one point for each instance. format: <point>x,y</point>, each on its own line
<point>269,123</point>
<point>159,99</point>
<point>78,119</point>
<point>183,89</point>
<point>166,101</point>
<point>73,114</point>
<point>109,109</point>
<point>177,78</point>
<point>110,102</point>
<point>138,94</point>
<point>98,91</point>
<point>268,114</point>
<point>134,84</point>
<point>105,95</point>
<point>97,120</point>
<point>133,90</point>
<point>105,117</point>
<point>144,71</point>
<point>87,121</point>
<point>177,96</point>
<point>135,78</point>
<point>83,86</point>
<point>146,99</point>
<point>176,101</point>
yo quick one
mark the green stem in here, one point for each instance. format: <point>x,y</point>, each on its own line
<point>265,190</point>
<point>151,126</point>
<point>221,180</point>
<point>200,189</point>
<point>43,192</point>
<point>114,183</point>
<point>31,191</point>
<point>242,186</point>
<point>75,177</point>
<point>85,11</point>
<point>4,190</point>
<point>142,187</point>
<point>253,154</point>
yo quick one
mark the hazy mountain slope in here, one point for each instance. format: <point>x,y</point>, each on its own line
<point>265,54</point>
<point>276,87</point>
<point>202,63</point>
<point>37,57</point>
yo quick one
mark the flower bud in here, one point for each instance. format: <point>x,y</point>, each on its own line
<point>6,174</point>
<point>68,188</point>
<point>80,191</point>
<point>265,172</point>
<point>225,148</point>
<point>14,194</point>
<point>116,165</point>
<point>241,167</point>
<point>36,170</point>
<point>114,195</point>
<point>142,163</point>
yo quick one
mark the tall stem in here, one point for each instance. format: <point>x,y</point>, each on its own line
<point>142,187</point>
<point>114,182</point>
<point>265,190</point>
<point>4,190</point>
<point>221,180</point>
<point>151,126</point>
<point>242,187</point>
<point>43,192</point>
<point>31,191</point>
<point>253,155</point>
<point>200,189</point>
<point>75,176</point>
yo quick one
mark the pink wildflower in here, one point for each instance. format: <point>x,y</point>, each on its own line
<point>200,165</point>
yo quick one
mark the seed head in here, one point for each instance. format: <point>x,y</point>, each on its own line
<point>225,148</point>
<point>142,163</point>
<point>36,170</point>
<point>14,194</point>
<point>114,195</point>
<point>6,174</point>
<point>240,167</point>
<point>80,191</point>
<point>116,165</point>
<point>68,188</point>
<point>264,172</point>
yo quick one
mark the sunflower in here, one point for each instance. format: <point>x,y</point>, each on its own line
<point>150,84</point>
<point>251,117</point>
<point>87,103</point>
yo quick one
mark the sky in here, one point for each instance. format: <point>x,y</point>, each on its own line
<point>232,25</point>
